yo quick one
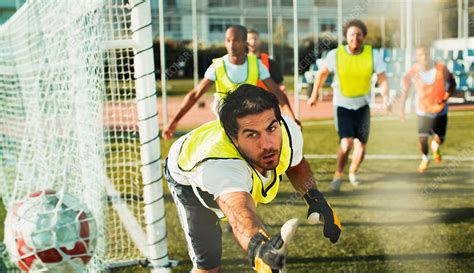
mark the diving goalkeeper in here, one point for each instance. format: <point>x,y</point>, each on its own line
<point>224,168</point>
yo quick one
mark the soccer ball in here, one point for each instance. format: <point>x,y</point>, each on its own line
<point>50,231</point>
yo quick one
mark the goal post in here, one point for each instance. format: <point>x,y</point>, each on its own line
<point>78,112</point>
<point>149,135</point>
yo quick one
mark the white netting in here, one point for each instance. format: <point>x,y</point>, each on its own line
<point>50,231</point>
<point>67,116</point>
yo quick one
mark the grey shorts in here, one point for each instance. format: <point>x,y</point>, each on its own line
<point>200,225</point>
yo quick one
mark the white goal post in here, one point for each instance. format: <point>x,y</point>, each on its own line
<point>78,112</point>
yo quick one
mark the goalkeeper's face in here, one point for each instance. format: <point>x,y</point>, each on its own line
<point>259,140</point>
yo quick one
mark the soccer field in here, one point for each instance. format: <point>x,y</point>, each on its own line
<point>396,221</point>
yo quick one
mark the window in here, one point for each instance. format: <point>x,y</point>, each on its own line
<point>221,24</point>
<point>214,3</point>
<point>222,3</point>
<point>327,25</point>
<point>169,4</point>
<point>172,24</point>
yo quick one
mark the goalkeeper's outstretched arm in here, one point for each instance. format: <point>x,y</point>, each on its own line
<point>266,254</point>
<point>239,208</point>
<point>302,179</point>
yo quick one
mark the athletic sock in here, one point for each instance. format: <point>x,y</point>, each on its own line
<point>425,157</point>
<point>434,145</point>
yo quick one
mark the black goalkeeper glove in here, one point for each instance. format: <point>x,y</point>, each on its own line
<point>319,206</point>
<point>266,254</point>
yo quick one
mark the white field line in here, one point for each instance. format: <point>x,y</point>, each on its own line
<point>385,118</point>
<point>391,156</point>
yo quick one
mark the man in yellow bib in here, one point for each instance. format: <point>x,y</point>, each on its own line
<point>353,66</point>
<point>225,167</point>
<point>228,72</point>
<point>434,84</point>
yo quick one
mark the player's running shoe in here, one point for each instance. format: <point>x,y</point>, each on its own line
<point>354,179</point>
<point>423,166</point>
<point>437,156</point>
<point>336,184</point>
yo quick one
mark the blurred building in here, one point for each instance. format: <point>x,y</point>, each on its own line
<point>440,19</point>
<point>214,16</point>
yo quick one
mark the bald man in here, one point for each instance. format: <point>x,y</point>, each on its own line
<point>228,72</point>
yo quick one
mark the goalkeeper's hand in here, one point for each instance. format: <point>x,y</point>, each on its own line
<point>266,254</point>
<point>318,206</point>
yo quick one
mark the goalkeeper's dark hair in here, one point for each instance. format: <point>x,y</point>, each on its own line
<point>246,100</point>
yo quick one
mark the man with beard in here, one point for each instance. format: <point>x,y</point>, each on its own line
<point>224,168</point>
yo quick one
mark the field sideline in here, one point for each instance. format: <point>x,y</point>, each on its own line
<point>397,221</point>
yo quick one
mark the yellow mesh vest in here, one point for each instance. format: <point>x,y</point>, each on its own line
<point>225,85</point>
<point>354,71</point>
<point>210,142</point>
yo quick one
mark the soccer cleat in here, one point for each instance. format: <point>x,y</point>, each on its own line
<point>437,156</point>
<point>435,149</point>
<point>423,166</point>
<point>336,184</point>
<point>354,179</point>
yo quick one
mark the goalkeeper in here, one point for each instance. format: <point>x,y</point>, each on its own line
<point>224,168</point>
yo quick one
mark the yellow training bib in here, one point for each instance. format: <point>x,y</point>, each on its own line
<point>211,142</point>
<point>354,71</point>
<point>225,85</point>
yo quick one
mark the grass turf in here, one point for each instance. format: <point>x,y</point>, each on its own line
<point>396,221</point>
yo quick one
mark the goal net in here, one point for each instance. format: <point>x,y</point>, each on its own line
<point>78,113</point>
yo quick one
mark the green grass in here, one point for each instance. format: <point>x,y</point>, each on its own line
<point>396,221</point>
<point>2,218</point>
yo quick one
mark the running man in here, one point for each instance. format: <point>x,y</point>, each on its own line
<point>253,41</point>
<point>225,167</point>
<point>228,72</point>
<point>353,66</point>
<point>434,84</point>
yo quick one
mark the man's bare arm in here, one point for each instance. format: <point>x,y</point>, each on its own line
<point>239,208</point>
<point>383,83</point>
<point>301,177</point>
<point>405,93</point>
<point>452,84</point>
<point>189,100</point>
<point>319,79</point>
<point>282,98</point>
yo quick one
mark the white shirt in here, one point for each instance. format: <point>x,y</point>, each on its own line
<point>219,177</point>
<point>236,72</point>
<point>347,102</point>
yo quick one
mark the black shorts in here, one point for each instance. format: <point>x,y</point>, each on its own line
<point>200,225</point>
<point>429,125</point>
<point>353,123</point>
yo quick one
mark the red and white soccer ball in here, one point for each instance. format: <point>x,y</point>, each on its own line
<point>50,231</point>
